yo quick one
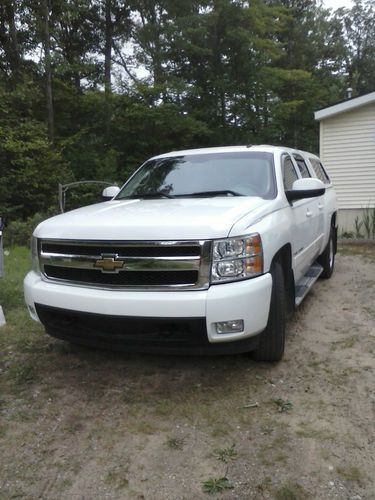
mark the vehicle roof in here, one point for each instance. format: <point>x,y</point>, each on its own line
<point>264,148</point>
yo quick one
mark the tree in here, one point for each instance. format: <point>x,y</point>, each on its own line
<point>358,25</point>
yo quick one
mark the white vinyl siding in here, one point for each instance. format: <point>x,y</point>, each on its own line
<point>347,149</point>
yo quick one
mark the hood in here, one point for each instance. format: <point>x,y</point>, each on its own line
<point>161,219</point>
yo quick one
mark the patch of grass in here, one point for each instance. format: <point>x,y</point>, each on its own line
<point>22,374</point>
<point>17,263</point>
<point>264,485</point>
<point>346,343</point>
<point>271,452</point>
<point>117,477</point>
<point>319,434</point>
<point>220,429</point>
<point>143,427</point>
<point>283,405</point>
<point>175,443</point>
<point>291,491</point>
<point>216,485</point>
<point>225,454</point>
<point>350,473</point>
<point>361,249</point>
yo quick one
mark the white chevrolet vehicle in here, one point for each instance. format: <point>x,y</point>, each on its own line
<point>201,251</point>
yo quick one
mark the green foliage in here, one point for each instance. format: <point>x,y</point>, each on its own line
<point>216,485</point>
<point>29,168</point>
<point>225,454</point>
<point>214,73</point>
<point>19,232</point>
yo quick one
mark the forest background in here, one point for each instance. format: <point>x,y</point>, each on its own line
<point>89,89</point>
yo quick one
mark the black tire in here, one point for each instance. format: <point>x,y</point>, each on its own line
<point>272,340</point>
<point>327,259</point>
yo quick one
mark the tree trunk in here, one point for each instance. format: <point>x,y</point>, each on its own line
<point>108,66</point>
<point>14,51</point>
<point>48,71</point>
<point>108,46</point>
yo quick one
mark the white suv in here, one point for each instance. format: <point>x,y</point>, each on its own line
<point>201,251</point>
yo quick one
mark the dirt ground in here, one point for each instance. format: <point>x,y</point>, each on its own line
<point>82,424</point>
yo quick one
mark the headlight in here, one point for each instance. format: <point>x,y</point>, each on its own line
<point>34,255</point>
<point>237,259</point>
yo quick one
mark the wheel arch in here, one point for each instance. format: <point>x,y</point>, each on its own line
<point>284,257</point>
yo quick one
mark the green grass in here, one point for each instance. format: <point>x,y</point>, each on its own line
<point>17,263</point>
<point>350,473</point>
<point>21,339</point>
<point>291,491</point>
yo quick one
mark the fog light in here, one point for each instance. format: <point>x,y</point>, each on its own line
<point>233,326</point>
<point>32,310</point>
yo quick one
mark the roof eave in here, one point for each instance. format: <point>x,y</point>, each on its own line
<point>344,106</point>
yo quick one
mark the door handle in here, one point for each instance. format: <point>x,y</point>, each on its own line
<point>308,213</point>
<point>320,206</point>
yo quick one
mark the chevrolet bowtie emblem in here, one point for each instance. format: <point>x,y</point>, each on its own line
<point>109,264</point>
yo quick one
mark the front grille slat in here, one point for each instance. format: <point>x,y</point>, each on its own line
<point>127,265</point>
<point>124,251</point>
<point>130,278</point>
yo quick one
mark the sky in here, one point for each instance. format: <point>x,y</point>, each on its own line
<point>335,4</point>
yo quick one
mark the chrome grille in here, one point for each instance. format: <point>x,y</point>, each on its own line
<point>127,265</point>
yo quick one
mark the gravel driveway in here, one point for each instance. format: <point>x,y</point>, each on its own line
<point>86,424</point>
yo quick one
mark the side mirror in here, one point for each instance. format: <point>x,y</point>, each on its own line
<point>305,188</point>
<point>110,192</point>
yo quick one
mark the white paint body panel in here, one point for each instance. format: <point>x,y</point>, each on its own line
<point>278,222</point>
<point>248,300</point>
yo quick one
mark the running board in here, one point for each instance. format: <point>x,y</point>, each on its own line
<point>307,281</point>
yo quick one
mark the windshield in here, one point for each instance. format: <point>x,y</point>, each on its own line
<point>213,174</point>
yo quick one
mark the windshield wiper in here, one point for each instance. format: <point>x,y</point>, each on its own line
<point>153,194</point>
<point>223,192</point>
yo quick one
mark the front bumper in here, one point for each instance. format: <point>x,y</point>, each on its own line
<point>248,300</point>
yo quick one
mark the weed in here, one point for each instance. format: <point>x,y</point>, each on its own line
<point>347,234</point>
<point>350,473</point>
<point>368,221</point>
<point>225,454</point>
<point>283,405</point>
<point>290,491</point>
<point>358,225</point>
<point>216,485</point>
<point>175,443</point>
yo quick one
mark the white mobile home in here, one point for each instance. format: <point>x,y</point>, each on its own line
<point>347,147</point>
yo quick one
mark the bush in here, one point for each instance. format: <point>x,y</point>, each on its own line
<point>18,233</point>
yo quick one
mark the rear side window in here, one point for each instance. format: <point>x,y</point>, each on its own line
<point>302,166</point>
<point>289,173</point>
<point>320,171</point>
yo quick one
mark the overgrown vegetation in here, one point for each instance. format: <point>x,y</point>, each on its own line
<point>90,89</point>
<point>364,225</point>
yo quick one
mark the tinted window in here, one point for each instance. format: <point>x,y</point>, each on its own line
<point>247,173</point>
<point>302,166</point>
<point>319,170</point>
<point>289,173</point>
